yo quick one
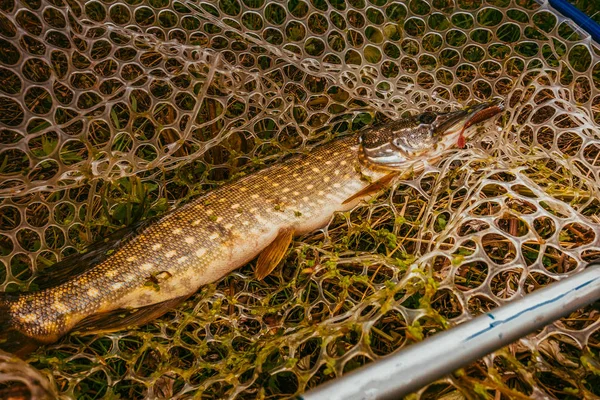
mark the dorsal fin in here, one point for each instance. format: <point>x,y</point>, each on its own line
<point>95,253</point>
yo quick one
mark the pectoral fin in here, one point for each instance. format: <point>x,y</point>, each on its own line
<point>273,253</point>
<point>373,187</point>
<point>121,318</point>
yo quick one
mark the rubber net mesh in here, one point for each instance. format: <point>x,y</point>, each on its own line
<point>110,111</point>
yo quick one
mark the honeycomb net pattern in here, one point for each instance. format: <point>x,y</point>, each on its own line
<point>111,111</point>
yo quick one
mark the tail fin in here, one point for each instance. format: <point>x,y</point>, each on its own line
<point>11,339</point>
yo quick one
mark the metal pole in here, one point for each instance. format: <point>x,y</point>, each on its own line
<point>422,363</point>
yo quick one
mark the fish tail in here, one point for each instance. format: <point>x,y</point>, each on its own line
<point>12,339</point>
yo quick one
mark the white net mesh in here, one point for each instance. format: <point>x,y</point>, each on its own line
<point>111,110</point>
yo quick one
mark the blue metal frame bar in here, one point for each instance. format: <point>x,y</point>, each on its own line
<point>584,21</point>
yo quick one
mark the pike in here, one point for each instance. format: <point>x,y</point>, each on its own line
<point>165,262</point>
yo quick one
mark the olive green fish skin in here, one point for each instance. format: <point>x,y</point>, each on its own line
<point>202,241</point>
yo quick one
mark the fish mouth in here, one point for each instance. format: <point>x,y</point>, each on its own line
<point>459,121</point>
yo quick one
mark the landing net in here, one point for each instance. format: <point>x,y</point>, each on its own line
<point>111,111</point>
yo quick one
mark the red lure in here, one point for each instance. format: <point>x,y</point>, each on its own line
<point>478,117</point>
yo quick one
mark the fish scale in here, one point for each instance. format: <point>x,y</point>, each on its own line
<point>203,240</point>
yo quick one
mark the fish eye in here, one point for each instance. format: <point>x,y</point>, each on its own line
<point>427,118</point>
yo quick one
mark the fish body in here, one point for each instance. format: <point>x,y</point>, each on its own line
<point>204,240</point>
